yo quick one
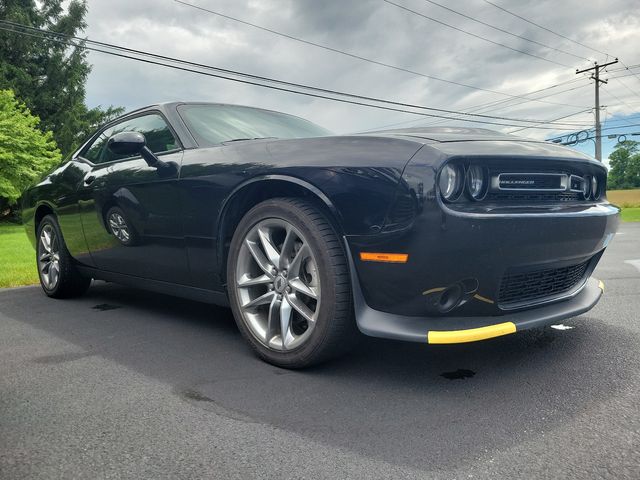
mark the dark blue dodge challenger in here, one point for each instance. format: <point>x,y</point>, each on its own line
<point>443,235</point>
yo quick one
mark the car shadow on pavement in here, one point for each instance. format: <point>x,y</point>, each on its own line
<point>409,404</point>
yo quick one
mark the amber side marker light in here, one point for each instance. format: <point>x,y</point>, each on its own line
<point>384,257</point>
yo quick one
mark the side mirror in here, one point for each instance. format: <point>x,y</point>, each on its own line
<point>133,143</point>
<point>127,143</point>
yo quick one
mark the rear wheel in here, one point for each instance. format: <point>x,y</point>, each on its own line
<point>58,275</point>
<point>289,284</point>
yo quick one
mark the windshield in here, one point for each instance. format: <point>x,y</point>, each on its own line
<point>214,124</point>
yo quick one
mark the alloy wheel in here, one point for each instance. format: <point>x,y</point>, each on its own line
<point>119,227</point>
<point>278,285</point>
<point>49,257</point>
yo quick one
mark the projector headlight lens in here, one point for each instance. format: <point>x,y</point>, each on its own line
<point>477,182</point>
<point>451,182</point>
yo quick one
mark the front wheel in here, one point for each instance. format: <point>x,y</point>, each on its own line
<point>289,284</point>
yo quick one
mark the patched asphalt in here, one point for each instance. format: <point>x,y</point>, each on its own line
<point>123,383</point>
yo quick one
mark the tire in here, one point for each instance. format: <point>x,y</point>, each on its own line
<point>310,261</point>
<point>120,227</point>
<point>56,269</point>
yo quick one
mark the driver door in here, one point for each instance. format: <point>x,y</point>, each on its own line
<point>130,211</point>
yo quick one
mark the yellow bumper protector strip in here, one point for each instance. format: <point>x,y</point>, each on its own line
<point>601,285</point>
<point>471,335</point>
<point>482,299</point>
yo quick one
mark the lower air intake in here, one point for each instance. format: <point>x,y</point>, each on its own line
<point>520,289</point>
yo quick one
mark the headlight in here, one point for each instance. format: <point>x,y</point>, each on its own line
<point>451,182</point>
<point>477,182</point>
<point>595,188</point>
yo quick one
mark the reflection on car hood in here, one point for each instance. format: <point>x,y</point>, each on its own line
<point>451,134</point>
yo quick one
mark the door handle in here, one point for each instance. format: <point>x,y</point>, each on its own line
<point>89,180</point>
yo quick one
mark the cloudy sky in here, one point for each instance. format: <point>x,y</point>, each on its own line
<point>386,33</point>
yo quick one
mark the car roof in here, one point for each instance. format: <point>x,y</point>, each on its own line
<point>440,134</point>
<point>174,105</point>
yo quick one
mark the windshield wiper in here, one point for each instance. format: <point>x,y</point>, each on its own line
<point>243,139</point>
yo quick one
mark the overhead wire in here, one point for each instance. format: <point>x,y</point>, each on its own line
<point>440,22</point>
<point>343,52</point>
<point>555,119</point>
<point>256,80</point>
<point>545,28</point>
<point>530,40</point>
<point>626,67</point>
<point>489,107</point>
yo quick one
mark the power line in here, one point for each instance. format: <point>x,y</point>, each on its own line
<point>506,31</point>
<point>576,134</point>
<point>474,35</point>
<point>625,67</point>
<point>499,102</point>
<point>545,28</point>
<point>574,138</point>
<point>262,78</point>
<point>485,106</point>
<point>343,52</point>
<point>494,107</point>
<point>618,126</point>
<point>629,69</point>
<point>624,120</point>
<point>555,119</point>
<point>618,98</point>
<point>224,74</point>
<point>626,86</point>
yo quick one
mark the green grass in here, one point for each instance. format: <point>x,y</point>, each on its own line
<point>631,214</point>
<point>17,257</point>
<point>628,201</point>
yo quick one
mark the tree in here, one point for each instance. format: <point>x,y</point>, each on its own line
<point>49,76</point>
<point>625,165</point>
<point>25,151</point>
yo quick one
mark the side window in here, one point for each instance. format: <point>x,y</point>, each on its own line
<point>153,127</point>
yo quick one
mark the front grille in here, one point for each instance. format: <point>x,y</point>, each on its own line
<point>537,197</point>
<point>539,285</point>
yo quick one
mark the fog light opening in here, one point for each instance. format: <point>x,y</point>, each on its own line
<point>450,298</point>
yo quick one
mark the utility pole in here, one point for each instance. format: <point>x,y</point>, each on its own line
<point>596,76</point>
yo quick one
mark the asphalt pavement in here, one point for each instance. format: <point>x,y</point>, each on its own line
<point>123,383</point>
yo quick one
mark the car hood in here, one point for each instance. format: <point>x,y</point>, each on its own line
<point>481,142</point>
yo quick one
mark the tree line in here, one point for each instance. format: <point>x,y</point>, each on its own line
<point>43,113</point>
<point>624,164</point>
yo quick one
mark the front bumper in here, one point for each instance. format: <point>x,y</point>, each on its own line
<point>444,249</point>
<point>392,299</point>
<point>445,330</point>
